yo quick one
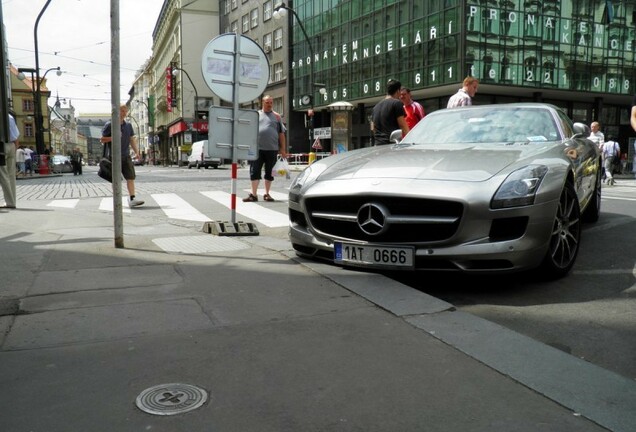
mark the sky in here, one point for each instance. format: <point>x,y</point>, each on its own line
<point>76,35</point>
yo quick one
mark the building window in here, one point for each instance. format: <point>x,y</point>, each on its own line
<point>267,42</point>
<point>234,4</point>
<point>278,38</point>
<point>245,23</point>
<point>530,68</point>
<point>278,106</point>
<point>254,18</point>
<point>28,130</point>
<point>234,27</point>
<point>226,7</point>
<point>278,71</point>
<point>27,105</point>
<point>267,10</point>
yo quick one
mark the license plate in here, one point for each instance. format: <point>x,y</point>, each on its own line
<point>373,256</point>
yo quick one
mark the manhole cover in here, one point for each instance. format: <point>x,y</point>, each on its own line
<point>170,399</point>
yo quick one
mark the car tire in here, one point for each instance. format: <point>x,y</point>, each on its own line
<point>593,210</point>
<point>565,238</point>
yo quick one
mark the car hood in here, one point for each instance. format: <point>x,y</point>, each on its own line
<point>426,162</point>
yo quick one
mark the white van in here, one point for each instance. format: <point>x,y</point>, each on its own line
<point>199,156</point>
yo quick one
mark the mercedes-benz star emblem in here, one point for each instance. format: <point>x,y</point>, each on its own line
<point>372,218</point>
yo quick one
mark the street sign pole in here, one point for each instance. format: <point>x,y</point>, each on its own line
<point>236,69</point>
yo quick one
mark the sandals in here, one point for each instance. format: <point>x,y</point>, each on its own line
<point>250,198</point>
<point>253,198</point>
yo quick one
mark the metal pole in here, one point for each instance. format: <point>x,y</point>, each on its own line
<point>311,70</point>
<point>116,124</point>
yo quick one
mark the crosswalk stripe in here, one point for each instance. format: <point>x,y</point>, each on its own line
<point>176,207</point>
<point>64,203</point>
<point>255,211</point>
<point>106,204</point>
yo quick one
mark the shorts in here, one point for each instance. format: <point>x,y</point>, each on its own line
<point>127,168</point>
<point>267,158</point>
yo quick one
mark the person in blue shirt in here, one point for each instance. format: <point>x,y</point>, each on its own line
<point>128,141</point>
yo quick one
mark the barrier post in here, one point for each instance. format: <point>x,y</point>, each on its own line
<point>43,165</point>
<point>312,158</point>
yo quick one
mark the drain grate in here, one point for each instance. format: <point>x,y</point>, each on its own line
<point>171,399</point>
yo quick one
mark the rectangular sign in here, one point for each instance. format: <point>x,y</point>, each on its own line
<point>169,88</point>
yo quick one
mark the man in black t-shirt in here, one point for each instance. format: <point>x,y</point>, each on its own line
<point>388,115</point>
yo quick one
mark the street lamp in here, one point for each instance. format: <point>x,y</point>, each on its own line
<point>36,83</point>
<point>175,72</point>
<point>281,12</point>
<point>39,133</point>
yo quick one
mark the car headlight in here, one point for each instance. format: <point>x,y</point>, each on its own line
<point>520,187</point>
<point>305,177</point>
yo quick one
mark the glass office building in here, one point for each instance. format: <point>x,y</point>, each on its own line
<point>579,55</point>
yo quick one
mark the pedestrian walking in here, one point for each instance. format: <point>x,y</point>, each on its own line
<point>271,143</point>
<point>388,115</point>
<point>76,161</point>
<point>28,160</point>
<point>20,159</point>
<point>128,141</point>
<point>610,153</point>
<point>8,170</point>
<point>465,95</point>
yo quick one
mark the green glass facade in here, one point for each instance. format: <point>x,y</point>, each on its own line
<point>579,55</point>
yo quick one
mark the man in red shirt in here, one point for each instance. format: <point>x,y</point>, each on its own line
<point>413,110</point>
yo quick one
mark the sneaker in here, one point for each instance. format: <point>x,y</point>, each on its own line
<point>135,203</point>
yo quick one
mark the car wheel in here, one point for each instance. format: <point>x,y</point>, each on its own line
<point>593,209</point>
<point>565,236</point>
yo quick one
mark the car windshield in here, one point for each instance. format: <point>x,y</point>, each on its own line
<point>487,125</point>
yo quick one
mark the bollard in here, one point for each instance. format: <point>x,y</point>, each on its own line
<point>43,165</point>
<point>312,158</point>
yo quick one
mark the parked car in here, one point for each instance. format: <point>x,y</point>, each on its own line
<point>136,161</point>
<point>61,164</point>
<point>497,189</point>
<point>199,156</point>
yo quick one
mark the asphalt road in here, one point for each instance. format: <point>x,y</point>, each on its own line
<point>589,314</point>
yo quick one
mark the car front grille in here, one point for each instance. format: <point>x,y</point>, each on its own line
<point>410,220</point>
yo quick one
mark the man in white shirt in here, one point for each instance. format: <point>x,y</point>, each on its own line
<point>28,161</point>
<point>596,135</point>
<point>611,151</point>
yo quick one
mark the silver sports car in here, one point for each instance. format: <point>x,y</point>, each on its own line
<point>489,188</point>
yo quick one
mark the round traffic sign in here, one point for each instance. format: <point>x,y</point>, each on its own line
<point>218,67</point>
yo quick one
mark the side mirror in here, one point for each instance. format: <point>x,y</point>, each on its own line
<point>396,136</point>
<point>581,130</point>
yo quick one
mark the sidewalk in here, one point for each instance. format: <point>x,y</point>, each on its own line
<point>276,343</point>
